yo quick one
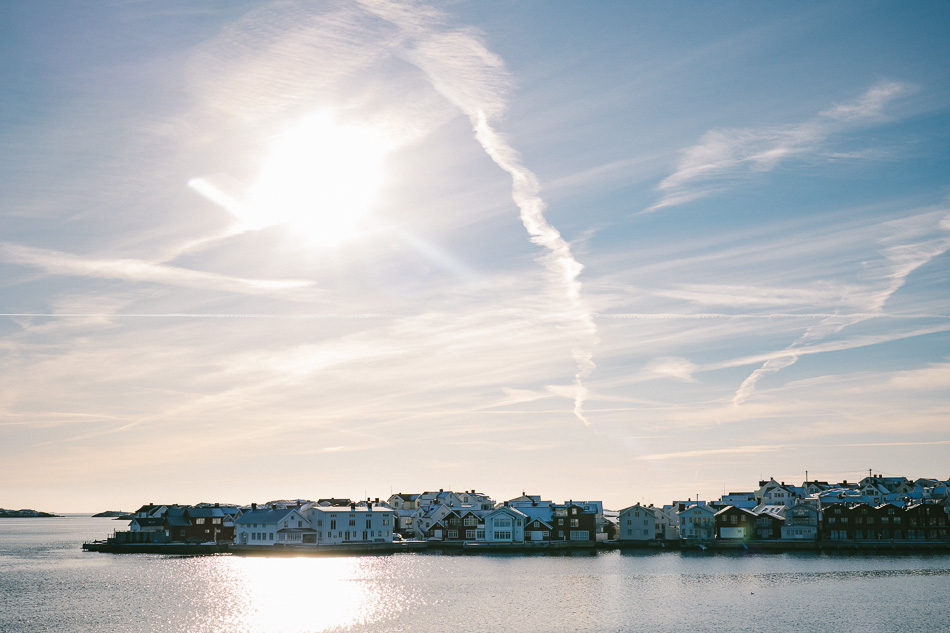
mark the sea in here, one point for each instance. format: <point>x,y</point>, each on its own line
<point>48,583</point>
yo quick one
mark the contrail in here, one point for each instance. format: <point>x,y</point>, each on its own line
<point>473,79</point>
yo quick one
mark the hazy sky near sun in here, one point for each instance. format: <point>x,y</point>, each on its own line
<point>629,251</point>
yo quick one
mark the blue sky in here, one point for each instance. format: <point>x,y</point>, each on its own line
<point>627,251</point>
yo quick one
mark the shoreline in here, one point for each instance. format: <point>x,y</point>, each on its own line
<point>546,548</point>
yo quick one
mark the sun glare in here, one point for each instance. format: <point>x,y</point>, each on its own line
<point>321,178</point>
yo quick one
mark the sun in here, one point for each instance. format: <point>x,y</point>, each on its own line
<point>320,177</point>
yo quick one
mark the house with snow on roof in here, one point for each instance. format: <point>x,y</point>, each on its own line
<point>269,526</point>
<point>637,523</point>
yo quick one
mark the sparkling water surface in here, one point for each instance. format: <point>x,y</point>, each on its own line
<point>47,583</point>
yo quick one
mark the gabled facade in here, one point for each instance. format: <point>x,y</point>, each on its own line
<point>697,522</point>
<point>735,524</point>
<point>801,522</point>
<point>461,525</point>
<point>272,526</point>
<point>768,525</point>
<point>780,494</point>
<point>505,525</point>
<point>637,523</point>
<point>667,524</point>
<point>539,522</point>
<point>400,501</point>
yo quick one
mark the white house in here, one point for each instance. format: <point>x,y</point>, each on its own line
<point>334,525</point>
<point>272,526</point>
<point>667,523</point>
<point>697,522</point>
<point>637,523</point>
<point>505,525</point>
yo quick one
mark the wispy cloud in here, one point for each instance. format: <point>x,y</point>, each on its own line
<point>732,450</point>
<point>474,79</point>
<point>59,263</point>
<point>724,156</point>
<point>909,245</point>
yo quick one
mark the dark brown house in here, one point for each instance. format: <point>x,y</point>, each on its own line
<point>572,522</point>
<point>735,524</point>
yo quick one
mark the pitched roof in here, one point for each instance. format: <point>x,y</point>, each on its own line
<point>265,515</point>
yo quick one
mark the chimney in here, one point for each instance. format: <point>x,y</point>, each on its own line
<point>440,490</point>
<point>369,506</point>
<point>217,505</point>
<point>352,507</point>
<point>253,506</point>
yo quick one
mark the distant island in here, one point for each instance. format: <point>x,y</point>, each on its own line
<point>115,514</point>
<point>24,514</point>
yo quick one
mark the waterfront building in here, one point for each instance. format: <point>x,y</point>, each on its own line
<point>736,524</point>
<point>769,520</point>
<point>573,522</point>
<point>667,524</point>
<point>637,523</point>
<point>271,526</point>
<point>335,525</point>
<point>801,522</point>
<point>927,521</point>
<point>697,522</point>
<point>505,525</point>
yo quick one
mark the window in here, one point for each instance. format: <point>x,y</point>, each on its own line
<point>480,535</point>
<point>470,520</point>
<point>574,523</point>
<point>502,535</point>
<point>199,521</point>
<point>352,522</point>
<point>502,523</point>
<point>332,523</point>
<point>216,520</point>
<point>579,535</point>
<point>453,533</point>
<point>469,533</point>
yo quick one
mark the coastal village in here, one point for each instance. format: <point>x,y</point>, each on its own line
<point>874,510</point>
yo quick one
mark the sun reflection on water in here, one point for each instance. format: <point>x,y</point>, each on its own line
<point>293,595</point>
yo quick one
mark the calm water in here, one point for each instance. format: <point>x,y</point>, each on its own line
<point>47,583</point>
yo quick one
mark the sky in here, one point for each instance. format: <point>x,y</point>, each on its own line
<point>627,251</point>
